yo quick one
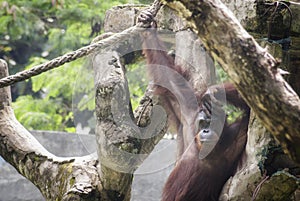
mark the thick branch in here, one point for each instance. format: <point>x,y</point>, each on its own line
<point>122,145</point>
<point>252,69</point>
<point>57,178</point>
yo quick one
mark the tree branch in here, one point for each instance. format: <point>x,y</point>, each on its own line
<point>252,69</point>
<point>51,174</point>
<point>122,145</point>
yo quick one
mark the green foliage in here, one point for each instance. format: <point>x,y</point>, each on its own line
<point>59,88</point>
<point>137,82</point>
<point>4,21</point>
<point>33,32</point>
<point>221,74</point>
<point>42,115</point>
<point>232,112</point>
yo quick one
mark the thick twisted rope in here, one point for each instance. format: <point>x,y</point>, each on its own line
<point>84,51</point>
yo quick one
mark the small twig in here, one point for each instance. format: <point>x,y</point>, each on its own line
<point>258,187</point>
<point>149,101</point>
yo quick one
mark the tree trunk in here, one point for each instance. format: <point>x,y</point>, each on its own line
<point>119,139</point>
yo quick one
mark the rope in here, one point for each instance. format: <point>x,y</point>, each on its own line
<point>84,51</point>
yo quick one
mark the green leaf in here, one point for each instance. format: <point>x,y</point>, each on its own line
<point>4,21</point>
